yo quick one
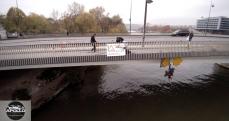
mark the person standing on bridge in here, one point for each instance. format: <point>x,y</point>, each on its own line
<point>190,36</point>
<point>67,33</point>
<point>93,42</point>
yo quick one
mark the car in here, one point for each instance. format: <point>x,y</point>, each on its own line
<point>180,33</point>
<point>12,35</point>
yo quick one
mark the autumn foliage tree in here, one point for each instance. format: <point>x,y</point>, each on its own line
<point>77,20</point>
<point>15,19</point>
<point>74,20</point>
<point>37,24</point>
<point>86,23</point>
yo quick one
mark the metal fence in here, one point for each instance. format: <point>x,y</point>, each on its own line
<point>79,54</point>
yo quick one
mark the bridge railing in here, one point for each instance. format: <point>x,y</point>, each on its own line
<point>72,54</point>
<point>162,45</point>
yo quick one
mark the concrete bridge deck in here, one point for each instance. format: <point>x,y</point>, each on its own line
<point>79,54</point>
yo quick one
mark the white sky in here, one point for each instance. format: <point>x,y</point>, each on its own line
<point>172,12</point>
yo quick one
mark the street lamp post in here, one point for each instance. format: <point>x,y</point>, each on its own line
<point>209,15</point>
<point>17,18</point>
<point>144,28</point>
<point>130,15</point>
<point>16,3</point>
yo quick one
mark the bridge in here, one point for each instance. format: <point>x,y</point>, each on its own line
<point>73,53</point>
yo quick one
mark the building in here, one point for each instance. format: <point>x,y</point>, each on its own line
<point>3,34</point>
<point>213,25</point>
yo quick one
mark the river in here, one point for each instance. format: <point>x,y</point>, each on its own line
<point>199,91</point>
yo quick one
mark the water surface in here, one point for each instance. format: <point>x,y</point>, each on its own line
<point>199,91</point>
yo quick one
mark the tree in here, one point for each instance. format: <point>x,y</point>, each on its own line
<point>55,22</point>
<point>86,23</point>
<point>69,17</point>
<point>105,24</point>
<point>68,22</point>
<point>98,13</point>
<point>120,28</point>
<point>14,20</point>
<point>75,9</point>
<point>117,25</point>
<point>2,19</point>
<point>37,24</point>
<point>55,15</point>
<point>116,20</point>
<point>75,19</point>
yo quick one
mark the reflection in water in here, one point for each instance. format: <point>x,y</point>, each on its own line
<point>199,91</point>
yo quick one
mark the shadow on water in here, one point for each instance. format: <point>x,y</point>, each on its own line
<point>203,100</point>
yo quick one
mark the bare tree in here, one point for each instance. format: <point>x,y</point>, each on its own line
<point>75,9</point>
<point>98,12</point>
<point>55,14</point>
<point>68,22</point>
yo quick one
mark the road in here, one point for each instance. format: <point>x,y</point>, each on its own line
<point>64,40</point>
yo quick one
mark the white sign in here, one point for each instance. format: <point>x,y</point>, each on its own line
<point>116,49</point>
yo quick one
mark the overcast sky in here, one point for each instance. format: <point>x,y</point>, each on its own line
<point>171,12</point>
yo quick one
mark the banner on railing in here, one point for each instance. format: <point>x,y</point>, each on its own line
<point>116,49</point>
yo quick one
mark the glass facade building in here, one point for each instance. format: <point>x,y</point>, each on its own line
<point>213,24</point>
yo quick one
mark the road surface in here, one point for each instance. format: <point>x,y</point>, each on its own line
<point>64,40</point>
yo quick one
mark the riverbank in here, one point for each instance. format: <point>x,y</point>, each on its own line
<point>47,92</point>
<point>223,65</point>
<point>38,85</point>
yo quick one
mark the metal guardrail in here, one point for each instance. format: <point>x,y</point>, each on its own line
<point>163,44</point>
<point>71,54</point>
